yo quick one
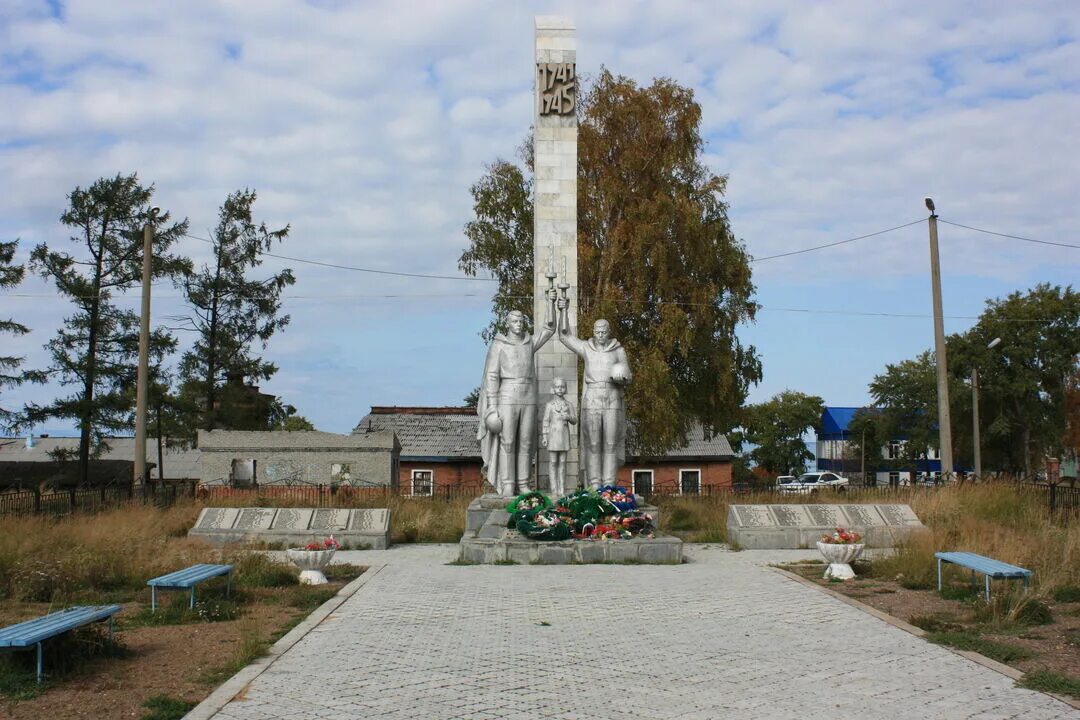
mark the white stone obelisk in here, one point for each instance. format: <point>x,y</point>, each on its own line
<point>555,211</point>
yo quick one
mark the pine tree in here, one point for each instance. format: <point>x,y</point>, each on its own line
<point>11,373</point>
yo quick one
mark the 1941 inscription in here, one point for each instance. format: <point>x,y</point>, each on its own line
<point>557,85</point>
<point>753,516</point>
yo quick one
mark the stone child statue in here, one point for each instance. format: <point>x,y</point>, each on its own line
<point>603,411</point>
<point>507,405</point>
<point>559,415</point>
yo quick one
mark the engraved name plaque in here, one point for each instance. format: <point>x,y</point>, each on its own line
<point>790,515</point>
<point>217,518</point>
<point>898,515</point>
<point>863,516</point>
<point>330,519</point>
<point>825,515</point>
<point>557,85</point>
<point>255,519</point>
<point>368,520</point>
<point>753,516</point>
<point>292,519</point>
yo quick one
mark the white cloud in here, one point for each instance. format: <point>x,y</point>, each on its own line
<point>363,125</point>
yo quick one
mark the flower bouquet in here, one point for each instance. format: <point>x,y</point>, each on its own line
<point>525,507</point>
<point>618,497</point>
<point>545,524</point>
<point>840,549</point>
<point>312,558</point>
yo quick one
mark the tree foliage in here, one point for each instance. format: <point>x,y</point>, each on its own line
<point>1023,383</point>
<point>777,427</point>
<point>11,373</point>
<point>656,255</point>
<point>230,313</point>
<point>96,349</point>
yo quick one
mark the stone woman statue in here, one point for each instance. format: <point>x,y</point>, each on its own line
<point>559,415</point>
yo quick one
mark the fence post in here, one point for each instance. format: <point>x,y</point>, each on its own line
<point>37,500</point>
<point>71,498</point>
<point>1053,498</point>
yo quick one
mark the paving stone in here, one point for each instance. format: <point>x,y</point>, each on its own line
<point>720,636</point>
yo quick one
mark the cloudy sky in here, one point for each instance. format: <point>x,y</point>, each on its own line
<point>363,124</point>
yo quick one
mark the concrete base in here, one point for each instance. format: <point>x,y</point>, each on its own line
<point>769,538</point>
<point>350,540</point>
<point>487,541</point>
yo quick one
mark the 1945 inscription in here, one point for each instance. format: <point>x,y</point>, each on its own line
<point>557,85</point>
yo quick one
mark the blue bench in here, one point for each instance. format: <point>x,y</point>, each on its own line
<point>187,579</point>
<point>38,630</point>
<point>987,566</point>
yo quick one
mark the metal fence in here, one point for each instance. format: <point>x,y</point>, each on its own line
<point>91,499</point>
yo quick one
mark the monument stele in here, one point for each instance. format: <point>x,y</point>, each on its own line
<point>555,210</point>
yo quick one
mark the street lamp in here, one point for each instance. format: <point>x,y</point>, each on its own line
<point>975,411</point>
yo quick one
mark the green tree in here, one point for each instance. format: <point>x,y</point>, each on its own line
<point>231,313</point>
<point>293,423</point>
<point>906,393</point>
<point>11,374</point>
<point>656,255</point>
<point>97,347</point>
<point>868,436</point>
<point>1023,399</point>
<point>777,427</point>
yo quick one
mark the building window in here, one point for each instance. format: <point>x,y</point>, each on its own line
<point>894,479</point>
<point>242,472</point>
<point>643,482</point>
<point>894,449</point>
<point>340,473</point>
<point>423,482</point>
<point>690,482</point>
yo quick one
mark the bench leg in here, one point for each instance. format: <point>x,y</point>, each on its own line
<point>110,628</point>
<point>153,599</point>
<point>987,589</point>
<point>228,583</point>
<point>39,662</point>
<point>191,605</point>
<point>939,575</point>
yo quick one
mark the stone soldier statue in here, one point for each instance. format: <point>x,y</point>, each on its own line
<point>507,405</point>
<point>559,415</point>
<point>603,411</point>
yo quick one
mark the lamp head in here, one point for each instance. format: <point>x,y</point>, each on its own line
<point>994,343</point>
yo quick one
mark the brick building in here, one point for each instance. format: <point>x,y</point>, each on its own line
<point>440,453</point>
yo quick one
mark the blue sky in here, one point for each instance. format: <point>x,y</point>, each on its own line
<point>363,125</point>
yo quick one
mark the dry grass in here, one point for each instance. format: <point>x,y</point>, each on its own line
<point>107,556</point>
<point>999,521</point>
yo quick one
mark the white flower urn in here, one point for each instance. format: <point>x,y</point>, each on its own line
<point>311,564</point>
<point>840,556</point>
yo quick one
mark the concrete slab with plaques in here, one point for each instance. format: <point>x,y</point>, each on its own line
<point>763,527</point>
<point>354,528</point>
<point>487,541</point>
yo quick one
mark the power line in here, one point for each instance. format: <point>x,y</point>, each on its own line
<point>361,269</point>
<point>838,242</point>
<point>1006,235</point>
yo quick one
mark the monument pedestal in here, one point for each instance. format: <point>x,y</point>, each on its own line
<point>487,541</point>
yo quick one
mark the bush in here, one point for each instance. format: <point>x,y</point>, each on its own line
<point>175,610</point>
<point>257,570</point>
<point>1067,593</point>
<point>967,640</point>
<point>163,707</point>
<point>1049,681</point>
<point>935,623</point>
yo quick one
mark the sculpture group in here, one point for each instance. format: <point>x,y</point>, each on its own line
<point>508,404</point>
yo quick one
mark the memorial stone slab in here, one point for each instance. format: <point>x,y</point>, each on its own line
<point>369,520</point>
<point>291,527</point>
<point>862,516</point>
<point>217,518</point>
<point>790,515</point>
<point>255,519</point>
<point>330,519</point>
<point>898,515</point>
<point>753,516</point>
<point>292,519</point>
<point>801,526</point>
<point>825,516</point>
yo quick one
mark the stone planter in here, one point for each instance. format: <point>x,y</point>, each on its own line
<point>311,564</point>
<point>840,558</point>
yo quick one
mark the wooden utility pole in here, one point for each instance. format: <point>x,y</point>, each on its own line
<point>142,380</point>
<point>944,421</point>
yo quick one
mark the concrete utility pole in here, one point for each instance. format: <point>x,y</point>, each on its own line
<point>142,379</point>
<point>975,420</point>
<point>944,421</point>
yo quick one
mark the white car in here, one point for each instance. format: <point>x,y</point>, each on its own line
<point>785,479</point>
<point>811,482</point>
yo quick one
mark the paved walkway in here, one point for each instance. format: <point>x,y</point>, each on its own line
<point>720,637</point>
